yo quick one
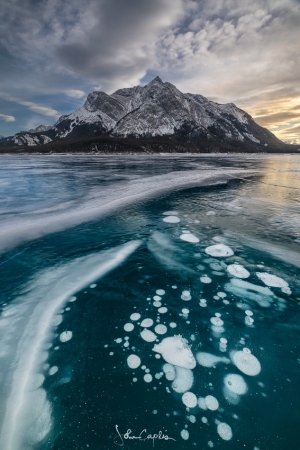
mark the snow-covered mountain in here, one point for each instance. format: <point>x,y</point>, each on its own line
<point>40,128</point>
<point>151,111</point>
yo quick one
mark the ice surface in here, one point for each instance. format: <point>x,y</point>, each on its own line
<point>175,350</point>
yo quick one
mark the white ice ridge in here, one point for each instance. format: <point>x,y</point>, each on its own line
<point>16,230</point>
<point>27,412</point>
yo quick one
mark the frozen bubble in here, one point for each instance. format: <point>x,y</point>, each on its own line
<point>174,287</point>
<point>246,363</point>
<point>135,316</point>
<point>170,213</point>
<point>173,325</point>
<point>171,219</point>
<point>157,304</point>
<point>186,295</point>
<point>219,250</point>
<point>126,344</point>
<point>286,290</point>
<point>161,329</point>
<point>272,280</point>
<point>118,340</point>
<point>210,213</point>
<point>111,353</point>
<point>221,294</point>
<point>65,336</point>
<point>205,279</point>
<point>134,380</point>
<point>128,327</point>
<point>224,431</point>
<point>169,371</point>
<point>189,237</point>
<point>72,299</point>
<point>183,381</point>
<point>210,444</point>
<point>211,402</point>
<point>201,403</point>
<point>146,323</point>
<point>217,321</point>
<point>163,310</point>
<point>160,292</point>
<point>204,419</point>
<point>223,341</point>
<point>133,361</point>
<point>217,314</point>
<point>53,370</point>
<point>238,271</point>
<point>175,350</point>
<point>192,418</point>
<point>185,310</point>
<point>249,321</point>
<point>248,312</point>
<point>209,360</point>
<point>158,375</point>
<point>157,298</point>
<point>92,286</point>
<point>235,384</point>
<point>184,434</point>
<point>189,399</point>
<point>148,378</point>
<point>148,335</point>
<point>246,350</point>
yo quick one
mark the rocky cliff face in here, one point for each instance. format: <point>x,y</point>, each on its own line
<point>155,110</point>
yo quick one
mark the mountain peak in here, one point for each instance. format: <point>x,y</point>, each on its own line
<point>157,79</point>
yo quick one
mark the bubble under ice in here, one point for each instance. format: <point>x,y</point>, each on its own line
<point>148,335</point>
<point>133,361</point>
<point>238,271</point>
<point>236,384</point>
<point>175,350</point>
<point>183,381</point>
<point>219,250</point>
<point>189,399</point>
<point>171,219</point>
<point>224,431</point>
<point>246,363</point>
<point>209,360</point>
<point>189,237</point>
<point>49,291</point>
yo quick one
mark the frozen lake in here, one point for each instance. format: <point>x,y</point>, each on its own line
<point>156,293</point>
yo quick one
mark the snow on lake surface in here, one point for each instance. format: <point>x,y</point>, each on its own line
<point>157,292</point>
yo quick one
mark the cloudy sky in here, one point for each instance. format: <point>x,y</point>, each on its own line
<point>54,52</point>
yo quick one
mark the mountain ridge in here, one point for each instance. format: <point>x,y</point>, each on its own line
<point>156,110</point>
